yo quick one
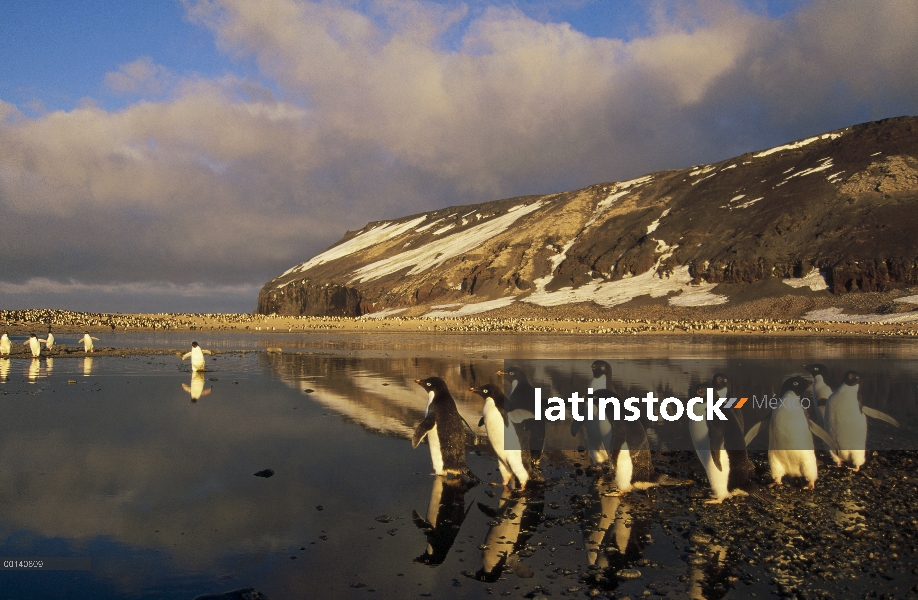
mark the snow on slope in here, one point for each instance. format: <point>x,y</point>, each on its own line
<point>376,235</point>
<point>469,309</point>
<point>813,280</point>
<point>613,293</point>
<point>795,145</point>
<point>435,253</point>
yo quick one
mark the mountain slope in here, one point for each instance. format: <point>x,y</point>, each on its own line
<point>833,212</point>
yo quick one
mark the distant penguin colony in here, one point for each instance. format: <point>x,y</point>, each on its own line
<point>623,446</point>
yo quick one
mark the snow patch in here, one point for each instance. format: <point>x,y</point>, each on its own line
<point>444,229</point>
<point>653,226</point>
<point>814,280</point>
<point>836,315</point>
<point>613,293</point>
<point>375,235</point>
<point>428,226</point>
<point>469,309</point>
<point>795,145</point>
<point>748,203</point>
<point>437,252</point>
<point>907,300</point>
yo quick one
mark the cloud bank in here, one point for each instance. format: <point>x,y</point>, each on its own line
<point>368,111</point>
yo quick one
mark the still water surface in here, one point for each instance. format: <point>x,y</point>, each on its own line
<point>148,470</point>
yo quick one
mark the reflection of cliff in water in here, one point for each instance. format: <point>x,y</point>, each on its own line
<point>379,393</point>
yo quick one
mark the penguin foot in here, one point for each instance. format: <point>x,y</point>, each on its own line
<point>811,485</point>
<point>774,484</point>
<point>714,501</point>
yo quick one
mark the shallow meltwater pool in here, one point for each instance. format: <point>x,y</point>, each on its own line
<point>134,478</point>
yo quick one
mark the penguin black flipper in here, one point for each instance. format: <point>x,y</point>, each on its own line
<point>422,430</point>
<point>488,511</point>
<point>639,447</point>
<point>481,422</point>
<point>876,414</point>
<point>419,521</point>
<point>823,435</point>
<point>616,443</point>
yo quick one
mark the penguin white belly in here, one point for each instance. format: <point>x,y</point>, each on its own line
<point>197,360</point>
<point>702,442</point>
<point>35,346</point>
<point>506,445</point>
<point>599,435</point>
<point>5,345</point>
<point>848,425</point>
<point>87,343</point>
<point>623,469</point>
<point>790,445</point>
<point>436,455</point>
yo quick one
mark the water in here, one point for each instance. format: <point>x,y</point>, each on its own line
<point>148,470</point>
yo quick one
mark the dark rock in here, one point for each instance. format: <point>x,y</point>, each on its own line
<point>240,594</point>
<point>264,473</point>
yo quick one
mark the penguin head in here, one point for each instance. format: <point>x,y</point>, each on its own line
<point>194,344</point>
<point>514,374</point>
<point>31,335</point>
<point>489,390</point>
<point>600,368</point>
<point>798,385</point>
<point>698,390</point>
<point>432,384</point>
<point>720,381</point>
<point>815,369</point>
<point>852,378</point>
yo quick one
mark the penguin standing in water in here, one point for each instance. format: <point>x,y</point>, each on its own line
<point>846,421</point>
<point>444,429</point>
<point>728,466</point>
<point>34,345</point>
<point>712,460</point>
<point>513,459</point>
<point>5,345</point>
<point>198,362</point>
<point>49,341</point>
<point>599,433</point>
<point>821,389</point>
<point>521,405</point>
<point>629,451</point>
<point>790,441</point>
<point>87,342</point>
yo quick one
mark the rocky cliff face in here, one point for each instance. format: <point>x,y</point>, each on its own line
<point>834,213</point>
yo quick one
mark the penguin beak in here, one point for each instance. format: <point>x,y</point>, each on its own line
<point>499,373</point>
<point>417,381</point>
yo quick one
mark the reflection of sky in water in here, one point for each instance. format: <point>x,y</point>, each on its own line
<point>159,491</point>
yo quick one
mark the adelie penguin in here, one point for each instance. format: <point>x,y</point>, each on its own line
<point>5,345</point>
<point>821,389</point>
<point>599,433</point>
<point>700,431</point>
<point>846,421</point>
<point>521,403</point>
<point>790,436</point>
<point>444,429</point>
<point>513,459</point>
<point>34,345</point>
<point>629,451</point>
<point>723,451</point>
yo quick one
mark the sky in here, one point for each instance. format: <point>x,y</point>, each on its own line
<point>175,156</point>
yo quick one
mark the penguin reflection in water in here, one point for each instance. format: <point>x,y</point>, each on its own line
<point>614,532</point>
<point>445,515</point>
<point>629,451</point>
<point>444,429</point>
<point>846,422</point>
<point>196,389</point>
<point>513,523</point>
<point>196,354</point>
<point>508,437</point>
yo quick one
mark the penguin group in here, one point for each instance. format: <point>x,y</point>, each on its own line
<point>34,343</point>
<point>838,418</point>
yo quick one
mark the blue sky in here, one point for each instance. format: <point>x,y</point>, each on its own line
<point>177,155</point>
